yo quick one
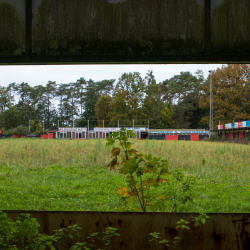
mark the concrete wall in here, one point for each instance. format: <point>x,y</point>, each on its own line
<point>66,31</point>
<point>220,232</point>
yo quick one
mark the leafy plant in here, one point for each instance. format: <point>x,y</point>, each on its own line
<point>158,239</point>
<point>8,132</point>
<point>39,129</point>
<point>21,130</point>
<point>201,219</point>
<point>203,161</point>
<point>108,236</point>
<point>144,174</point>
<point>181,225</point>
<point>24,234</point>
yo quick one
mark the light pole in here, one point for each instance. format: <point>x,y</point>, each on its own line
<point>211,105</point>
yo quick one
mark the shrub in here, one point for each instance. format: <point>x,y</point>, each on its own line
<point>21,130</point>
<point>144,174</point>
<point>8,132</point>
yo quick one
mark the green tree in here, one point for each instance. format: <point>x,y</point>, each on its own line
<point>49,94</point>
<point>39,129</point>
<point>61,95</point>
<point>93,91</point>
<point>102,109</point>
<point>166,118</point>
<point>184,91</point>
<point>90,99</point>
<point>81,83</point>
<point>37,99</point>
<point>119,108</point>
<point>10,118</point>
<point>4,99</point>
<point>24,105</point>
<point>128,95</point>
<point>153,105</point>
<point>11,91</point>
<point>231,95</point>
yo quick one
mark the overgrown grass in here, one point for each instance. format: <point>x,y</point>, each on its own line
<point>71,175</point>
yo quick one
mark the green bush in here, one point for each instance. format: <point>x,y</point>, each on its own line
<point>24,234</point>
<point>8,132</point>
<point>21,130</point>
<point>213,138</point>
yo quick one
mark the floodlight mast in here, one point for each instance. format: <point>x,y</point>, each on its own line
<point>211,105</point>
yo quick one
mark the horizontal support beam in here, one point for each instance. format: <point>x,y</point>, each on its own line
<point>125,59</point>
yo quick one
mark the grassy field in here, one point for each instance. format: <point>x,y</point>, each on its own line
<point>71,175</point>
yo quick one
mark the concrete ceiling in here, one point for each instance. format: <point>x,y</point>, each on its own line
<point>124,31</point>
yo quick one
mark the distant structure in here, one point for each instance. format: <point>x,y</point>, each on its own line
<point>141,133</point>
<point>96,133</point>
<point>236,130</point>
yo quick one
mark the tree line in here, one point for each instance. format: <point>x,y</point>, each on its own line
<point>180,102</point>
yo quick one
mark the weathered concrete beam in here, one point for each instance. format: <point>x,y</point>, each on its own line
<point>124,59</point>
<point>124,31</point>
<point>220,232</point>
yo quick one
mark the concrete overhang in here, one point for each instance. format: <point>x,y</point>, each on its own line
<point>124,31</point>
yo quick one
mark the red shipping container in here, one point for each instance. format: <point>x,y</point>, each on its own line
<point>50,135</point>
<point>171,137</point>
<point>239,124</point>
<point>241,135</point>
<point>231,136</point>
<point>194,137</point>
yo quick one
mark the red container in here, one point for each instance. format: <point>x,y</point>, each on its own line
<point>231,136</point>
<point>171,137</point>
<point>241,135</point>
<point>50,135</point>
<point>194,137</point>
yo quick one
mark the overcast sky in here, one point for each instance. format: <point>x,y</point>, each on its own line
<point>40,75</point>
